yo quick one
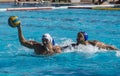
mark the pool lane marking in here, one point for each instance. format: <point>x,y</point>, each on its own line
<point>50,8</point>
<point>3,9</point>
<point>29,8</point>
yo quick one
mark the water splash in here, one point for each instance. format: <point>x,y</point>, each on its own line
<point>16,50</point>
<point>13,50</point>
<point>118,53</point>
<point>81,48</point>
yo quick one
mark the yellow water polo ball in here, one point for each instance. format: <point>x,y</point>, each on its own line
<point>14,21</point>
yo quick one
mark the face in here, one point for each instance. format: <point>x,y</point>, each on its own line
<point>45,41</point>
<point>80,38</point>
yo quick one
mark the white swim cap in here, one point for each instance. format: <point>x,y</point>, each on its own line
<point>48,37</point>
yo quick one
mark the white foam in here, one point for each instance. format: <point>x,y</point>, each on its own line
<point>81,48</point>
<point>87,49</point>
<point>66,41</point>
<point>16,50</point>
<point>118,53</point>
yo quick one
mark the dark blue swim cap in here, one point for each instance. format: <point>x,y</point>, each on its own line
<point>85,35</point>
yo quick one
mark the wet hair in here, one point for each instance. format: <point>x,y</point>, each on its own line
<point>85,35</point>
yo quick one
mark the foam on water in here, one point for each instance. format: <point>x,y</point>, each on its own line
<point>118,53</point>
<point>14,50</point>
<point>89,50</point>
<point>81,48</point>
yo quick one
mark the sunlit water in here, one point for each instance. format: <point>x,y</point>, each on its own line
<point>63,25</point>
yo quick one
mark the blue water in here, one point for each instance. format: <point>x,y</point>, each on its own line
<point>63,25</point>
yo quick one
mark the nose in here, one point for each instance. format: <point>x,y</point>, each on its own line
<point>45,41</point>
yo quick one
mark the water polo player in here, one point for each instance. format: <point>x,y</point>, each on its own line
<point>82,38</point>
<point>47,46</point>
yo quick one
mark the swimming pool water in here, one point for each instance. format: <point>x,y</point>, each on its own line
<point>63,25</point>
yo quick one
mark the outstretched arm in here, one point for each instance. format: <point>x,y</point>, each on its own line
<point>111,47</point>
<point>102,45</point>
<point>69,46</point>
<point>23,41</point>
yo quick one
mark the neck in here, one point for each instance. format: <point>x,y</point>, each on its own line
<point>49,47</point>
<point>82,42</point>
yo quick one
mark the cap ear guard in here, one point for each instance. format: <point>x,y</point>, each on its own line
<point>85,35</point>
<point>53,42</point>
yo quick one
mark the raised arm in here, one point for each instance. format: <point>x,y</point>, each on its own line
<point>23,41</point>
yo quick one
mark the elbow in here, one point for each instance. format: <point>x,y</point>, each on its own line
<point>22,42</point>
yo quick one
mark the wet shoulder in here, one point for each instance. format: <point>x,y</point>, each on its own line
<point>93,42</point>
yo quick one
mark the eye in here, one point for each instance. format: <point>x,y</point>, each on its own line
<point>44,39</point>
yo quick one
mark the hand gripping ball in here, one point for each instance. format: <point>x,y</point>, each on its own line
<point>14,21</point>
